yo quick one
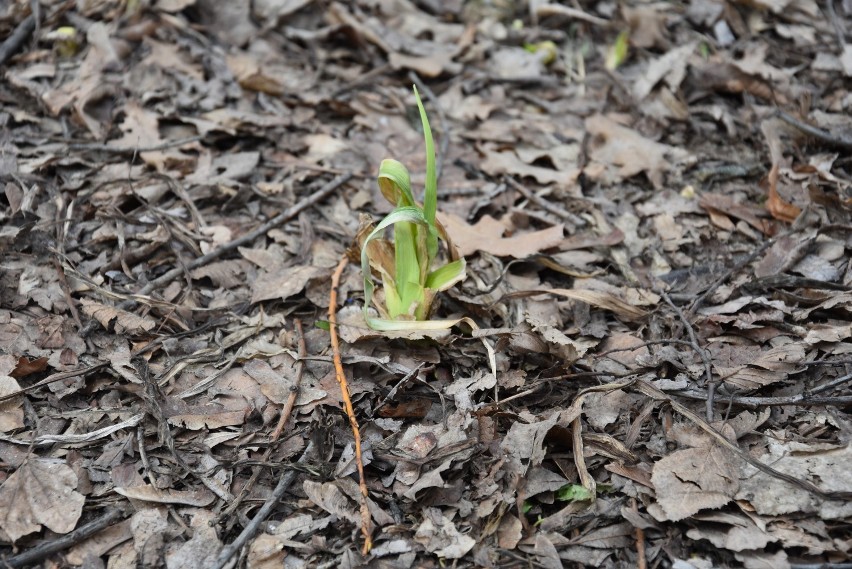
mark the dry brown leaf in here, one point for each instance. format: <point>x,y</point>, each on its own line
<point>100,543</point>
<point>599,299</point>
<point>729,206</point>
<point>546,553</point>
<point>250,75</point>
<point>284,283</point>
<point>499,163</point>
<point>201,549</point>
<point>330,498</point>
<point>510,532</point>
<point>429,479</point>
<point>277,384</point>
<point>524,443</point>
<point>827,465</point>
<point>669,68</point>
<point>11,411</point>
<point>149,527</point>
<point>647,25</point>
<point>173,6</point>
<point>694,479</point>
<point>439,535</point>
<point>618,152</point>
<point>41,492</point>
<point>124,322</point>
<point>224,169</point>
<point>225,274</point>
<point>737,534</point>
<point>770,366</point>
<point>780,209</point>
<point>763,559</point>
<point>487,235</point>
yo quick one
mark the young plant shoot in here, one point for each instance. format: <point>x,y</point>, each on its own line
<point>405,264</point>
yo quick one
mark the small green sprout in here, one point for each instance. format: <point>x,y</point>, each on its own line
<point>618,52</point>
<point>405,264</point>
<point>573,493</point>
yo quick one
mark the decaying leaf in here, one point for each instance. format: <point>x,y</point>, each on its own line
<point>488,235</point>
<point>439,535</point>
<point>122,321</point>
<point>687,481</point>
<point>331,499</point>
<point>41,492</point>
<point>619,152</point>
<point>827,465</point>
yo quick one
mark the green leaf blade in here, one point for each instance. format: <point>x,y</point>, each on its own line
<point>395,183</point>
<point>430,197</point>
<point>446,276</point>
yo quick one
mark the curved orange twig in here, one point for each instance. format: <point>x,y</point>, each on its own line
<point>366,526</point>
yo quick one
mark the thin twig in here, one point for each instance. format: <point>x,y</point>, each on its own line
<point>444,144</point>
<point>798,399</point>
<point>836,23</point>
<point>814,132</point>
<point>544,204</point>
<point>14,42</point>
<point>53,379</point>
<point>820,565</point>
<point>641,561</point>
<point>803,400</point>
<point>103,147</point>
<point>286,215</point>
<point>294,390</point>
<point>366,528</point>
<point>62,542</point>
<point>573,13</point>
<point>708,370</point>
<point>248,532</point>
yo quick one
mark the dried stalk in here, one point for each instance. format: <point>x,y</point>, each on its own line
<point>366,526</point>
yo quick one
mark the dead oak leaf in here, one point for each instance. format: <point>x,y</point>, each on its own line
<point>526,442</point>
<point>694,479</point>
<point>487,235</point>
<point>508,162</point>
<point>125,322</point>
<point>738,533</point>
<point>331,499</point>
<point>769,367</point>
<point>284,283</point>
<point>439,535</point>
<point>11,411</point>
<point>827,465</point>
<point>618,152</point>
<point>40,493</point>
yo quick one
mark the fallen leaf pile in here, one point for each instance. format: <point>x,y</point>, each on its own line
<point>654,203</point>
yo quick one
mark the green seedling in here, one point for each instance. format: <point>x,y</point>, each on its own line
<point>573,493</point>
<point>618,52</point>
<point>408,265</point>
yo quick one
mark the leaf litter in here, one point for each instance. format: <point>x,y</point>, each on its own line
<point>654,208</point>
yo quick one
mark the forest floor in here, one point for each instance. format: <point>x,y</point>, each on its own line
<point>654,201</point>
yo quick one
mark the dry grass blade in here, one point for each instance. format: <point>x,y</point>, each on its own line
<point>366,525</point>
<point>592,297</point>
<point>579,460</point>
